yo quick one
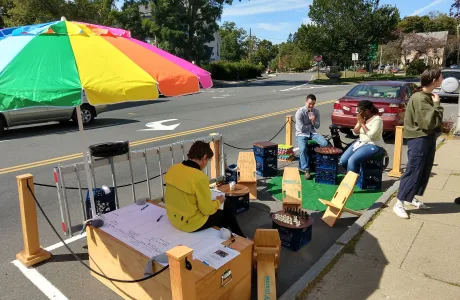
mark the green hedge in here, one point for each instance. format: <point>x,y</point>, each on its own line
<point>224,70</point>
<point>416,67</point>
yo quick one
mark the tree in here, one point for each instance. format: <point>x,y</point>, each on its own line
<point>129,18</point>
<point>266,52</point>
<point>435,21</point>
<point>26,12</point>
<point>455,9</point>
<point>184,26</point>
<point>232,41</point>
<point>337,31</point>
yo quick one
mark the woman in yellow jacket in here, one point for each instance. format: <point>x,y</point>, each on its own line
<point>188,197</point>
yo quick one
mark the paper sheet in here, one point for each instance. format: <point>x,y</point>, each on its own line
<point>217,256</point>
<point>215,193</point>
<point>139,228</point>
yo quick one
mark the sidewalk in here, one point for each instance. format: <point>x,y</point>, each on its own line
<point>394,258</point>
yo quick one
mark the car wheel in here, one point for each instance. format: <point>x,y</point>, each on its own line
<point>2,125</point>
<point>88,114</point>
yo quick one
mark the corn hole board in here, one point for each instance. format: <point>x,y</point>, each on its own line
<point>291,188</point>
<point>267,247</point>
<point>247,169</point>
<point>336,206</point>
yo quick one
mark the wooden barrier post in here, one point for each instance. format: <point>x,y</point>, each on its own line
<point>182,280</point>
<point>215,161</point>
<point>32,253</point>
<point>396,171</point>
<point>289,130</point>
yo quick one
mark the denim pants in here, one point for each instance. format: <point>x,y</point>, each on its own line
<point>352,160</point>
<point>302,142</point>
<point>420,154</point>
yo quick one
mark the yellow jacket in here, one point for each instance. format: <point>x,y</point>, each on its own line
<point>188,197</point>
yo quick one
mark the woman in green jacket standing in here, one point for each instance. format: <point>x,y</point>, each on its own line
<point>188,197</point>
<point>422,123</point>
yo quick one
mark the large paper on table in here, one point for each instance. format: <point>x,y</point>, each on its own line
<point>140,230</point>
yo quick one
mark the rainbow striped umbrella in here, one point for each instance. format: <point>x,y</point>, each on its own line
<point>50,64</point>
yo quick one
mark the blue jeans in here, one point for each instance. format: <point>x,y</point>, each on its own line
<point>351,160</point>
<point>302,142</point>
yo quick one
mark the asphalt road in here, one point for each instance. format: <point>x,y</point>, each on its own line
<point>243,113</point>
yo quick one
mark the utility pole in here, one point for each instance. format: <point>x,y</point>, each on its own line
<point>279,58</point>
<point>250,45</point>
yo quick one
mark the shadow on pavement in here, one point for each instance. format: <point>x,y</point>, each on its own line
<point>131,104</point>
<point>60,128</point>
<point>356,275</point>
<point>262,83</point>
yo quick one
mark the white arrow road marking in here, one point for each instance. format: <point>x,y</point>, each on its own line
<point>158,125</point>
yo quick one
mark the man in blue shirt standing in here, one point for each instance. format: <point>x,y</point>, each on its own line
<point>307,120</point>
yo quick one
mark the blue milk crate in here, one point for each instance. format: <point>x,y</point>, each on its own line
<point>370,179</point>
<point>326,161</point>
<point>266,167</point>
<point>326,175</point>
<point>265,149</point>
<point>104,202</point>
<point>294,238</point>
<point>374,163</point>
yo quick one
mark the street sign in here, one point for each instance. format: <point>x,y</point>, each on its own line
<point>318,58</point>
<point>354,56</point>
<point>373,52</point>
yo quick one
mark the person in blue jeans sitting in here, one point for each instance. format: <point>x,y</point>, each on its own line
<point>370,142</point>
<point>307,120</point>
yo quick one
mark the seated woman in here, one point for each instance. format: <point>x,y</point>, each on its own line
<point>188,197</point>
<point>370,142</point>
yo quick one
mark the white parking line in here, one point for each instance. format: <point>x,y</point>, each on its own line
<point>298,85</point>
<point>40,281</point>
<point>68,241</point>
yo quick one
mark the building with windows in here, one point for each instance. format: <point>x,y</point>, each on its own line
<point>427,46</point>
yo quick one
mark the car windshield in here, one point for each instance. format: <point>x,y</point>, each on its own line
<point>376,91</point>
<point>447,74</point>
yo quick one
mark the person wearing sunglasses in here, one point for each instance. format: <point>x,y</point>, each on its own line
<point>370,141</point>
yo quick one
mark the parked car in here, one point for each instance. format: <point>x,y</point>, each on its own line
<point>390,97</point>
<point>449,91</point>
<point>36,115</point>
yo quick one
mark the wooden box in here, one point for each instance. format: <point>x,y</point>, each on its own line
<point>115,259</point>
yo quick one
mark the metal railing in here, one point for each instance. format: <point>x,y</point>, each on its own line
<point>61,173</point>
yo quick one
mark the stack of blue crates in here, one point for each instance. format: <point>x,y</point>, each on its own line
<point>370,174</point>
<point>326,168</point>
<point>266,154</point>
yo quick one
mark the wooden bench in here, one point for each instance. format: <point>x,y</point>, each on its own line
<point>247,169</point>
<point>266,258</point>
<point>291,188</point>
<point>336,206</point>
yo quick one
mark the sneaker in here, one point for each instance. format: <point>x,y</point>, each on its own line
<point>417,204</point>
<point>399,210</point>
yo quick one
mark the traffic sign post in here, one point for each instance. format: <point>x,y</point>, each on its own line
<point>318,59</point>
<point>354,58</point>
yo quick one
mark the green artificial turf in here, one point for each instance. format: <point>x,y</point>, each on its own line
<point>311,192</point>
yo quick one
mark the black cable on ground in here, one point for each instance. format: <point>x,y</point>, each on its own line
<point>85,188</point>
<point>78,258</point>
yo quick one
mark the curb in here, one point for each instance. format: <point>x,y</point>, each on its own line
<point>307,278</point>
<point>222,83</point>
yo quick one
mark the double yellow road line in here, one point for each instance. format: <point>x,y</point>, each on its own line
<point>151,140</point>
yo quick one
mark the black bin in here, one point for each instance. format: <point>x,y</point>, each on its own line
<point>104,202</point>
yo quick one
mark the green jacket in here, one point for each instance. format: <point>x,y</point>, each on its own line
<point>423,116</point>
<point>188,197</point>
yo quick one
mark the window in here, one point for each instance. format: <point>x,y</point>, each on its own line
<point>375,91</point>
<point>446,74</point>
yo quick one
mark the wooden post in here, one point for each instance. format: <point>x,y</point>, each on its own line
<point>289,130</point>
<point>32,253</point>
<point>182,280</point>
<point>215,161</point>
<point>396,171</point>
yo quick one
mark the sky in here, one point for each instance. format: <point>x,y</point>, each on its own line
<point>275,19</point>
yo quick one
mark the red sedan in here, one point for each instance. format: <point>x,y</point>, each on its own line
<point>390,97</point>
